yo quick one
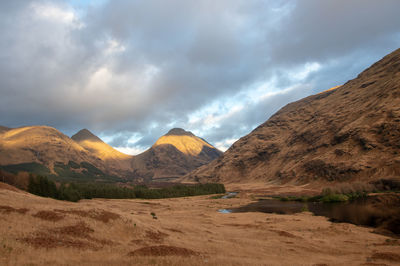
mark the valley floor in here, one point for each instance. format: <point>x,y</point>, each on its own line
<point>187,231</point>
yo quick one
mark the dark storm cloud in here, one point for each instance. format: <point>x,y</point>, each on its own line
<point>140,67</point>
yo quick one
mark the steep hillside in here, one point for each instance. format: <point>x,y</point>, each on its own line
<point>114,160</point>
<point>42,145</point>
<point>348,133</point>
<point>173,155</point>
<point>3,129</point>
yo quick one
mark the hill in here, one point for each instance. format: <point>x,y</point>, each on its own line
<point>114,160</point>
<point>173,155</point>
<point>344,134</point>
<point>46,151</point>
<point>40,144</point>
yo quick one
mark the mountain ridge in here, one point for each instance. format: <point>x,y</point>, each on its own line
<point>176,153</point>
<point>349,133</point>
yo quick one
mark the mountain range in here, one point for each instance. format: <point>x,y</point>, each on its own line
<point>347,133</point>
<point>45,150</point>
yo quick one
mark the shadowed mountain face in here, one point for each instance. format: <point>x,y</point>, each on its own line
<point>3,129</point>
<point>173,155</point>
<point>348,133</point>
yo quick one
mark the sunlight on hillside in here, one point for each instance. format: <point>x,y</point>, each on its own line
<point>186,144</point>
<point>331,89</point>
<point>103,150</point>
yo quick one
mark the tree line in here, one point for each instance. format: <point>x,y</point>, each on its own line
<point>42,186</point>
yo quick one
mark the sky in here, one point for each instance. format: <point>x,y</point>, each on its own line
<point>130,70</point>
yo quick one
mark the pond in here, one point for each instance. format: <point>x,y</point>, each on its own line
<point>363,211</point>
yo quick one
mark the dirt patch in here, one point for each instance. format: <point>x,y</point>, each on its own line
<point>389,256</point>
<point>99,215</point>
<point>8,209</point>
<point>49,216</point>
<point>163,250</point>
<point>155,236</point>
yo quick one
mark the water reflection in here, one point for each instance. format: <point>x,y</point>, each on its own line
<point>359,212</point>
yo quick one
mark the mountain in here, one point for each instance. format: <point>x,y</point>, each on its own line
<point>45,150</point>
<point>114,160</point>
<point>348,133</point>
<point>42,145</point>
<point>173,155</point>
<point>4,129</point>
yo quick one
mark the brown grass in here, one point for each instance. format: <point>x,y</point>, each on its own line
<point>99,215</point>
<point>191,232</point>
<point>8,209</point>
<point>389,256</point>
<point>348,188</point>
<point>163,250</point>
<point>49,216</point>
<point>7,187</point>
<point>66,236</point>
<point>284,233</point>
<point>49,241</point>
<point>81,230</point>
<point>155,236</point>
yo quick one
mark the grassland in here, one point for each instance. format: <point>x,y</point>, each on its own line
<point>187,231</point>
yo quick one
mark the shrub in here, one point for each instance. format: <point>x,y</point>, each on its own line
<point>334,198</point>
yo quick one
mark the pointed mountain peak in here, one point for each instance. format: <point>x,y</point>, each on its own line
<point>184,141</point>
<point>85,134</point>
<point>179,132</point>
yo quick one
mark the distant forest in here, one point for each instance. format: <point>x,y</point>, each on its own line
<point>73,191</point>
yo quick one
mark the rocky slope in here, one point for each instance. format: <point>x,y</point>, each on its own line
<point>348,133</point>
<point>173,155</point>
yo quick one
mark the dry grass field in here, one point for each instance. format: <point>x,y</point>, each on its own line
<point>187,231</point>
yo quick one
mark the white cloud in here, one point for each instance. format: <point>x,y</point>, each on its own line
<point>130,150</point>
<point>304,71</point>
<point>225,144</point>
<point>114,46</point>
<point>55,13</point>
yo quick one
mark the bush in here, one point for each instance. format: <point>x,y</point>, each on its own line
<point>334,198</point>
<point>349,188</point>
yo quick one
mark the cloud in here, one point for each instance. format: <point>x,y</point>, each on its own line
<point>131,70</point>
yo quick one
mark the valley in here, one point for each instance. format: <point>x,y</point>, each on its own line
<point>39,231</point>
<point>315,184</point>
